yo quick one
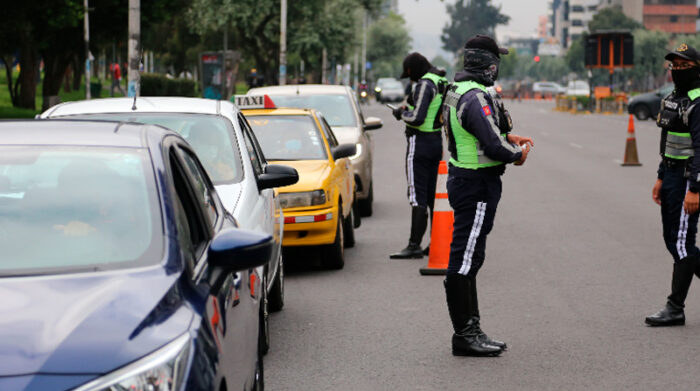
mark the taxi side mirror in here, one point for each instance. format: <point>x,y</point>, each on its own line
<point>343,150</point>
<point>372,123</point>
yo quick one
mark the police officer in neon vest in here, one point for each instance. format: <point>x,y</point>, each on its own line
<point>480,146</point>
<point>424,145</point>
<point>678,183</point>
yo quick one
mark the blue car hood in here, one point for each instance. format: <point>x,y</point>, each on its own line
<point>88,323</point>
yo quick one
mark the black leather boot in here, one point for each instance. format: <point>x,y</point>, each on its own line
<point>672,314</point>
<point>419,222</point>
<point>466,340</point>
<point>475,314</point>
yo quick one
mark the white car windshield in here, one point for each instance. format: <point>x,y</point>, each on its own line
<point>64,208</point>
<point>337,109</point>
<point>288,138</point>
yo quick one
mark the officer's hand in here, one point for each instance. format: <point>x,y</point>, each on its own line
<point>691,202</point>
<point>656,192</point>
<point>519,140</point>
<point>522,159</point>
<point>398,111</point>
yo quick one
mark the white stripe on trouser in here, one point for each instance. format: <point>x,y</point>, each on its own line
<point>682,232</point>
<point>409,171</point>
<point>473,236</point>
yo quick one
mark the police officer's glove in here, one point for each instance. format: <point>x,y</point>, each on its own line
<point>397,112</point>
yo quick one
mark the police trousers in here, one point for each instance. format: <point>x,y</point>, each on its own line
<point>474,201</point>
<point>679,228</point>
<point>423,154</point>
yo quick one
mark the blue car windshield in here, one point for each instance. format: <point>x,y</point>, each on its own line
<point>211,137</point>
<point>288,137</point>
<point>337,109</point>
<point>77,208</point>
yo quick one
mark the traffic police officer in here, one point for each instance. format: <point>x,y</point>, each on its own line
<point>480,145</point>
<point>424,145</point>
<point>678,183</point>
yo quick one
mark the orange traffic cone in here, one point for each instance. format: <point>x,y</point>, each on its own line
<point>441,228</point>
<point>631,158</point>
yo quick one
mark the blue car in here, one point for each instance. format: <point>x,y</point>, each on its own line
<point>120,268</point>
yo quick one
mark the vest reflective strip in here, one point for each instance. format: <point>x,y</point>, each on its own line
<point>679,145</point>
<point>694,94</point>
<point>433,108</point>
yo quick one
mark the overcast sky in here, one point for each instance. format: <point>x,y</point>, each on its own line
<point>426,18</point>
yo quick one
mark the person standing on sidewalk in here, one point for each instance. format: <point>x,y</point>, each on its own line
<point>424,145</point>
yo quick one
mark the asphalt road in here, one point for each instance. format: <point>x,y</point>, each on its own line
<point>574,263</point>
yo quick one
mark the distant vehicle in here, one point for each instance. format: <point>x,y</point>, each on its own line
<point>121,264</point>
<point>645,106</point>
<point>390,90</point>
<point>578,88</point>
<point>340,108</point>
<point>548,87</point>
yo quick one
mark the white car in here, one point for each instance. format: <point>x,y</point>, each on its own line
<point>229,152</point>
<point>578,88</point>
<point>548,87</point>
<point>339,106</point>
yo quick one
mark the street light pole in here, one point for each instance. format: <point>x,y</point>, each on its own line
<point>87,50</point>
<point>364,45</point>
<point>134,43</point>
<point>283,43</point>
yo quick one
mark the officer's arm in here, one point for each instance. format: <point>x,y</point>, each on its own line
<point>694,124</point>
<point>477,117</point>
<point>422,96</point>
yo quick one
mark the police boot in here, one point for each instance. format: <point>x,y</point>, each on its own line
<point>466,340</point>
<point>672,314</point>
<point>419,222</point>
<point>474,307</point>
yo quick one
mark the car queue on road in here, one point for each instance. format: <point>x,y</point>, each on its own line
<point>180,208</point>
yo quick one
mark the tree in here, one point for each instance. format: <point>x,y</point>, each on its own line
<point>388,43</point>
<point>612,18</point>
<point>470,17</point>
<point>650,47</point>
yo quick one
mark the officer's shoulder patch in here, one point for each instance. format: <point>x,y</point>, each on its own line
<point>486,110</point>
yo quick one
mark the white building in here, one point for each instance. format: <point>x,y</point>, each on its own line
<point>569,19</point>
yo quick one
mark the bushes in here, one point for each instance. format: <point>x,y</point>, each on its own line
<point>159,85</point>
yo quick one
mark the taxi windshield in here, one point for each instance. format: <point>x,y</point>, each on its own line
<point>288,137</point>
<point>209,135</point>
<point>67,208</point>
<point>337,109</point>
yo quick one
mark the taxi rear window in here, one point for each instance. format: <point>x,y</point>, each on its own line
<point>288,137</point>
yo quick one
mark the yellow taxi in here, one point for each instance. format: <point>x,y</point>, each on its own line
<point>318,210</point>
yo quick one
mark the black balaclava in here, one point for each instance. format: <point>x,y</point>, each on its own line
<point>417,64</point>
<point>686,79</point>
<point>481,65</point>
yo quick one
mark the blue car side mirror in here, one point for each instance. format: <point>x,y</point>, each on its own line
<point>237,249</point>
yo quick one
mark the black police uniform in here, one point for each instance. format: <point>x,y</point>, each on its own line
<point>679,171</point>
<point>423,147</point>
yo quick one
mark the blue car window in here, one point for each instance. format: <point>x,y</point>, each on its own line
<point>70,207</point>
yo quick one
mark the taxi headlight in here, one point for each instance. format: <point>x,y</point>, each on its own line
<point>307,198</point>
<point>358,153</point>
<point>162,370</point>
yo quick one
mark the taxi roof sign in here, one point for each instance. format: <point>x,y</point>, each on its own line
<point>253,102</point>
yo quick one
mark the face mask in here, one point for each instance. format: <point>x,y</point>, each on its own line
<point>684,79</point>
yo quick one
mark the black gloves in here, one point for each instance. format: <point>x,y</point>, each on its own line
<point>397,112</point>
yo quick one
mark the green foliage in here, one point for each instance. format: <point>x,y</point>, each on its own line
<point>159,85</point>
<point>575,56</point>
<point>388,43</point>
<point>650,47</point>
<point>470,17</point>
<point>612,18</point>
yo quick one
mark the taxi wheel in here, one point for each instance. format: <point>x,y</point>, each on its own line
<point>333,257</point>
<point>349,229</point>
<point>356,215</point>
<point>275,301</point>
<point>366,204</point>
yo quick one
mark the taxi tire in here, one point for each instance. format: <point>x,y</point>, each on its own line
<point>366,204</point>
<point>333,255</point>
<point>349,230</point>
<point>356,215</point>
<point>275,300</point>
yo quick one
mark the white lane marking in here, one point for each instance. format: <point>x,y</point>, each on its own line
<point>617,161</point>
<point>579,146</point>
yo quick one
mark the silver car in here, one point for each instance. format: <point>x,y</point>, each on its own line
<point>229,152</point>
<point>342,111</point>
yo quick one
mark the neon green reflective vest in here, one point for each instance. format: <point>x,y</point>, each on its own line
<point>468,153</point>
<point>679,145</point>
<point>434,107</point>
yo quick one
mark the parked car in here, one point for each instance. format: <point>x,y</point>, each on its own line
<point>222,139</point>
<point>578,88</point>
<point>548,87</point>
<point>121,268</point>
<point>389,90</point>
<point>647,105</point>
<point>340,108</point>
<point>318,209</point>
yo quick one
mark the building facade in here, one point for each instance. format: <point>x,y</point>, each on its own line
<point>672,16</point>
<point>569,19</point>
